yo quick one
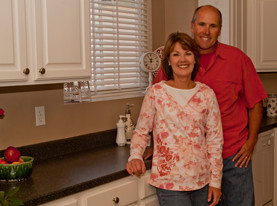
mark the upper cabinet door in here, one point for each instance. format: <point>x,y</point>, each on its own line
<point>13,49</point>
<point>262,44</point>
<point>62,46</point>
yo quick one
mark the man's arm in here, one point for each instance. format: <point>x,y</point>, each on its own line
<point>149,151</point>
<point>255,116</point>
<point>160,76</point>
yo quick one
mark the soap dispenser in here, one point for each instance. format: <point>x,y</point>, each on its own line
<point>120,137</point>
<point>129,125</point>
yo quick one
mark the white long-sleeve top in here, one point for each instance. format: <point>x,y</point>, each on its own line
<point>188,139</point>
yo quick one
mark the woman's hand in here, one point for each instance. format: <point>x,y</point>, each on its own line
<point>214,194</point>
<point>136,167</point>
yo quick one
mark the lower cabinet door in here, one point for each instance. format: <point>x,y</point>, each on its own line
<point>120,193</point>
<point>145,189</point>
<point>263,168</point>
<point>150,201</point>
<point>134,204</point>
<point>147,193</point>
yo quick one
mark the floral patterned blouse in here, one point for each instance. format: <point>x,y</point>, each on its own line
<point>188,139</point>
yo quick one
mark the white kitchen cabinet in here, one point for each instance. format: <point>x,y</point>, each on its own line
<point>67,201</point>
<point>150,201</point>
<point>263,168</point>
<point>131,191</point>
<point>134,204</point>
<point>275,171</point>
<point>147,193</point>
<point>13,50</point>
<point>44,41</point>
<point>261,34</point>
<point>128,191</point>
<point>120,192</point>
<point>252,31</point>
<point>62,44</point>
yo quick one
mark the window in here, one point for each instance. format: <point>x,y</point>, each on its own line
<point>121,31</point>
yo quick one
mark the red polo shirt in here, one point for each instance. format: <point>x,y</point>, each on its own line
<point>232,76</point>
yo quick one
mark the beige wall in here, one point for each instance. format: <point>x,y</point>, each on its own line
<point>158,23</point>
<point>62,121</point>
<point>178,15</point>
<point>269,81</point>
<point>170,16</point>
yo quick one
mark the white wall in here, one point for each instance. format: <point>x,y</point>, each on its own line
<point>223,6</point>
<point>178,15</point>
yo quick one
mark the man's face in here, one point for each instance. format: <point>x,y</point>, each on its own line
<point>206,29</point>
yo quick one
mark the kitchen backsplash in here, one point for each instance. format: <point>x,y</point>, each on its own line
<point>67,146</point>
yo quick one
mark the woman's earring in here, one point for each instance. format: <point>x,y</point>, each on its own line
<point>168,64</point>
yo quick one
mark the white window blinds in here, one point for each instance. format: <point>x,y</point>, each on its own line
<point>121,31</point>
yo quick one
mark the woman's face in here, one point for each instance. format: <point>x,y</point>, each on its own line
<point>182,61</point>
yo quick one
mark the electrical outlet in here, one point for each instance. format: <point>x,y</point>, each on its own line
<point>40,115</point>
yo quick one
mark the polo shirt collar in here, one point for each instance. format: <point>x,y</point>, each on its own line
<point>220,51</point>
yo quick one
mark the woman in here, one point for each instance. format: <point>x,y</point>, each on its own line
<point>187,131</point>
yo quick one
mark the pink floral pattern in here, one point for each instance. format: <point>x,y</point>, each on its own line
<point>188,139</point>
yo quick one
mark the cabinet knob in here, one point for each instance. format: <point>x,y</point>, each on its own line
<point>116,200</point>
<point>42,71</point>
<point>26,71</point>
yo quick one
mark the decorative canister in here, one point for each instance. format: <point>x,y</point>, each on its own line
<point>272,105</point>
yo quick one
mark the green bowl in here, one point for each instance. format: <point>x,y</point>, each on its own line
<point>17,171</point>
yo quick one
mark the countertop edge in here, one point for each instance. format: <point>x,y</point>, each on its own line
<point>76,188</point>
<point>81,187</point>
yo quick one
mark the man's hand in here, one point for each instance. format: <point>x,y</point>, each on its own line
<point>148,153</point>
<point>215,194</point>
<point>255,118</point>
<point>136,167</point>
<point>245,154</point>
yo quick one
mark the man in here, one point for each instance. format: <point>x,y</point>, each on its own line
<point>239,91</point>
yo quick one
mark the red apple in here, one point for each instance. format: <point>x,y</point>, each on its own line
<point>12,154</point>
<point>3,161</point>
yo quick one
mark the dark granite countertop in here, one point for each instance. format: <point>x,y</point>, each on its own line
<point>58,177</point>
<point>73,165</point>
<point>268,123</point>
<point>69,166</point>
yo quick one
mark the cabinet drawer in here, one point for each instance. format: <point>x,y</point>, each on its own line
<point>145,190</point>
<point>66,201</point>
<point>125,191</point>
